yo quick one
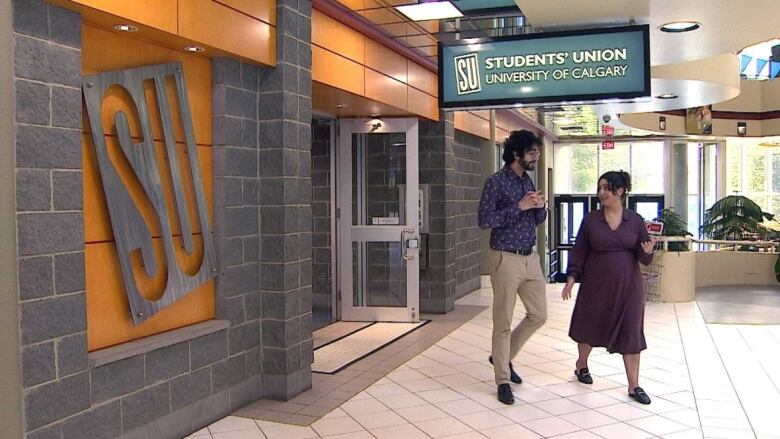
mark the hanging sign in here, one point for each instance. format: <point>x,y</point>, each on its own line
<point>587,65</point>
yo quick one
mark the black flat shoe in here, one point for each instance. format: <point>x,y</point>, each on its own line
<point>640,396</point>
<point>513,376</point>
<point>583,376</point>
<point>505,394</point>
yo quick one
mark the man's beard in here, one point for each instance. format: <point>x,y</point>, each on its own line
<point>528,166</point>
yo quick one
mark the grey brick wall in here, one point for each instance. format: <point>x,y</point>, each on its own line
<point>284,152</point>
<point>322,244</point>
<point>47,65</point>
<point>262,190</point>
<point>467,192</point>
<point>449,163</point>
<point>437,169</point>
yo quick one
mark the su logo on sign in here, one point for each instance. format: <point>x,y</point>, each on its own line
<point>467,74</point>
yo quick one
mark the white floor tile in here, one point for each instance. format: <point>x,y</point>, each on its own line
<point>443,427</point>
<point>284,431</point>
<point>402,401</point>
<point>356,435</point>
<point>624,411</point>
<point>399,431</point>
<point>620,431</point>
<point>484,420</point>
<point>589,419</point>
<point>422,413</point>
<point>657,425</point>
<point>513,431</point>
<point>331,426</point>
<point>559,406</point>
<point>552,426</point>
<point>373,421</point>
<point>461,407</point>
<point>240,434</point>
<point>232,423</point>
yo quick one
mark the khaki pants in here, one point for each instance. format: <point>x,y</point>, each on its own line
<point>514,275</point>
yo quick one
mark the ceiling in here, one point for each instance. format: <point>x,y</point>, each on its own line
<point>700,67</point>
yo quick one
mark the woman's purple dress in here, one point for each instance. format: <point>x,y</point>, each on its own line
<point>610,307</point>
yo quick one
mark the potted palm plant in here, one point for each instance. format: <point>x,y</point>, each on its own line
<point>674,225</point>
<point>736,217</point>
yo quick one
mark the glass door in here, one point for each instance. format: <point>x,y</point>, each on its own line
<point>378,251</point>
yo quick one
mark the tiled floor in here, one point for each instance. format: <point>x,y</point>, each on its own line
<point>717,381</point>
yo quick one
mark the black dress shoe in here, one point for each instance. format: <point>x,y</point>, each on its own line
<point>513,376</point>
<point>583,376</point>
<point>505,394</point>
<point>640,396</point>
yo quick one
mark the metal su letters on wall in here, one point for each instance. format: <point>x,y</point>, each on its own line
<point>130,230</point>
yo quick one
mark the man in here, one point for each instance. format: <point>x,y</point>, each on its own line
<point>512,209</point>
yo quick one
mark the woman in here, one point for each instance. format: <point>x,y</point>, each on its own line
<point>610,306</point>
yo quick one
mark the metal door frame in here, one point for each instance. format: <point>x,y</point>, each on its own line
<point>347,232</point>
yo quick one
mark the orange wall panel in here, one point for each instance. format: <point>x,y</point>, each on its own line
<point>108,315</point>
<point>385,89</point>
<point>261,9</point>
<point>468,122</point>
<point>423,79</point>
<point>384,60</point>
<point>422,104</point>
<point>108,312</point>
<point>97,223</point>
<point>105,51</point>
<point>337,71</point>
<point>160,14</point>
<point>216,25</point>
<point>336,37</point>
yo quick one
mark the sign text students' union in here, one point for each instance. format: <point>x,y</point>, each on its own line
<point>585,65</point>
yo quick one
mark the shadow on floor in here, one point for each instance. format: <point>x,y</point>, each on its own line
<point>740,304</point>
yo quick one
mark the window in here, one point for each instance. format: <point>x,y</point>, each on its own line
<point>753,170</point>
<point>578,166</point>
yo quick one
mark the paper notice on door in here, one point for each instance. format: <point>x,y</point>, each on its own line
<point>384,220</point>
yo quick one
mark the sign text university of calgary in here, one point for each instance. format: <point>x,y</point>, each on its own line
<point>524,70</point>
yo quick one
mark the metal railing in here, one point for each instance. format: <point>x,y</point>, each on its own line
<point>719,244</point>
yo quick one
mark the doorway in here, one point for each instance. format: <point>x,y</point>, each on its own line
<point>377,195</point>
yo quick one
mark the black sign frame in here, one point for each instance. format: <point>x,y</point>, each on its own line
<point>542,100</point>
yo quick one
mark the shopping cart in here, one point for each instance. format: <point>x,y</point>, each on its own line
<point>652,274</point>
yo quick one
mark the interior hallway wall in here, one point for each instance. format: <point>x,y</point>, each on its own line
<point>468,189</point>
<point>450,165</point>
<point>322,241</point>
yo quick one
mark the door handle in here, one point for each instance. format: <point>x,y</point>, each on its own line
<point>404,248</point>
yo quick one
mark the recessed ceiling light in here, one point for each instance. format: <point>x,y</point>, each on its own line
<point>126,27</point>
<point>436,10</point>
<point>194,49</point>
<point>679,26</point>
<point>667,96</point>
<point>339,105</point>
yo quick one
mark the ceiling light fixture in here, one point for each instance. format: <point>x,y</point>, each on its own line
<point>667,96</point>
<point>126,28</point>
<point>679,26</point>
<point>435,10</point>
<point>194,49</point>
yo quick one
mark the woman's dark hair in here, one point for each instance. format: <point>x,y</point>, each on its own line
<point>616,180</point>
<point>519,142</point>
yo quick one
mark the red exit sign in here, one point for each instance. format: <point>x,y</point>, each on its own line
<point>607,130</point>
<point>608,144</point>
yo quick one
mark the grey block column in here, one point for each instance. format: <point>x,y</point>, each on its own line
<point>49,215</point>
<point>284,142</point>
<point>236,232</point>
<point>450,165</point>
<point>437,169</point>
<point>10,379</point>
